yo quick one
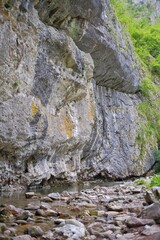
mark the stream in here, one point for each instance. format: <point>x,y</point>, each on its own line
<point>18,199</point>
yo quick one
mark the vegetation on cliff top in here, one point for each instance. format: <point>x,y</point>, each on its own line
<point>145,37</point>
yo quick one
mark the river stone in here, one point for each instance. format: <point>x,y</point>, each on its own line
<point>72,229</point>
<point>21,222</point>
<point>40,212</point>
<point>14,210</point>
<point>24,215</point>
<point>22,237</point>
<point>154,236</point>
<point>3,227</point>
<point>51,213</point>
<point>46,199</point>
<point>45,205</point>
<point>54,196</point>
<point>34,231</point>
<point>156,192</point>
<point>152,212</point>
<point>116,208</point>
<point>155,229</point>
<point>48,236</point>
<point>5,237</point>
<point>72,232</point>
<point>29,194</point>
<point>137,222</point>
<point>32,207</point>
<point>127,236</point>
<point>149,198</point>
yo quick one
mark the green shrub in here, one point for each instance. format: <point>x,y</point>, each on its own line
<point>140,181</point>
<point>155,181</point>
<point>145,36</point>
<point>149,183</point>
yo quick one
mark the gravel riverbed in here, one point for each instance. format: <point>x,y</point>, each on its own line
<point>124,212</point>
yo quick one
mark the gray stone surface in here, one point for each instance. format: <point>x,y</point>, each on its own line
<point>67,72</point>
<point>113,150</point>
<point>152,211</point>
<point>22,237</point>
<point>94,28</point>
<point>72,229</point>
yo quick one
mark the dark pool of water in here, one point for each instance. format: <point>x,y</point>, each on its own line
<point>18,198</point>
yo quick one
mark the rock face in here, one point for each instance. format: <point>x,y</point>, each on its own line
<point>68,102</point>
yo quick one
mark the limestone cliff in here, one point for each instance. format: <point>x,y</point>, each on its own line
<point>68,94</point>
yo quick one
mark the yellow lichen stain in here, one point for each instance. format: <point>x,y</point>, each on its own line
<point>34,109</point>
<point>67,125</point>
<point>92,110</point>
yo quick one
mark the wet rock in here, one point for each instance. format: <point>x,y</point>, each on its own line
<point>51,213</point>
<point>136,190</point>
<point>137,222</point>
<point>32,207</point>
<point>154,236</point>
<point>40,212</point>
<point>44,205</point>
<point>14,210</point>
<point>87,205</point>
<point>46,199</point>
<point>64,215</point>
<point>5,237</point>
<point>58,221</point>
<point>135,208</point>
<point>54,196</point>
<point>156,192</point>
<point>117,208</point>
<point>127,236</point>
<point>155,229</point>
<point>21,222</point>
<point>3,227</point>
<point>72,229</point>
<point>149,198</point>
<point>48,236</point>
<point>22,237</point>
<point>46,213</point>
<point>29,194</point>
<point>152,212</point>
<point>34,231</point>
<point>14,224</point>
<point>24,215</point>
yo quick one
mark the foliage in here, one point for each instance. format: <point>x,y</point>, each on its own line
<point>145,36</point>
<point>149,183</point>
<point>155,181</point>
<point>146,41</point>
<point>140,182</point>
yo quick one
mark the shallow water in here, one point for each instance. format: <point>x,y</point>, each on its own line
<point>18,199</point>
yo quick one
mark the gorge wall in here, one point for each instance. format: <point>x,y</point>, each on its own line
<point>68,94</point>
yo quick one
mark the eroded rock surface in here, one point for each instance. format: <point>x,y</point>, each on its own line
<point>68,102</point>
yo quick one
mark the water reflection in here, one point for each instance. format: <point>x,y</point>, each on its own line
<point>19,199</point>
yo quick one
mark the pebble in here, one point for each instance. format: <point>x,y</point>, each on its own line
<point>123,213</point>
